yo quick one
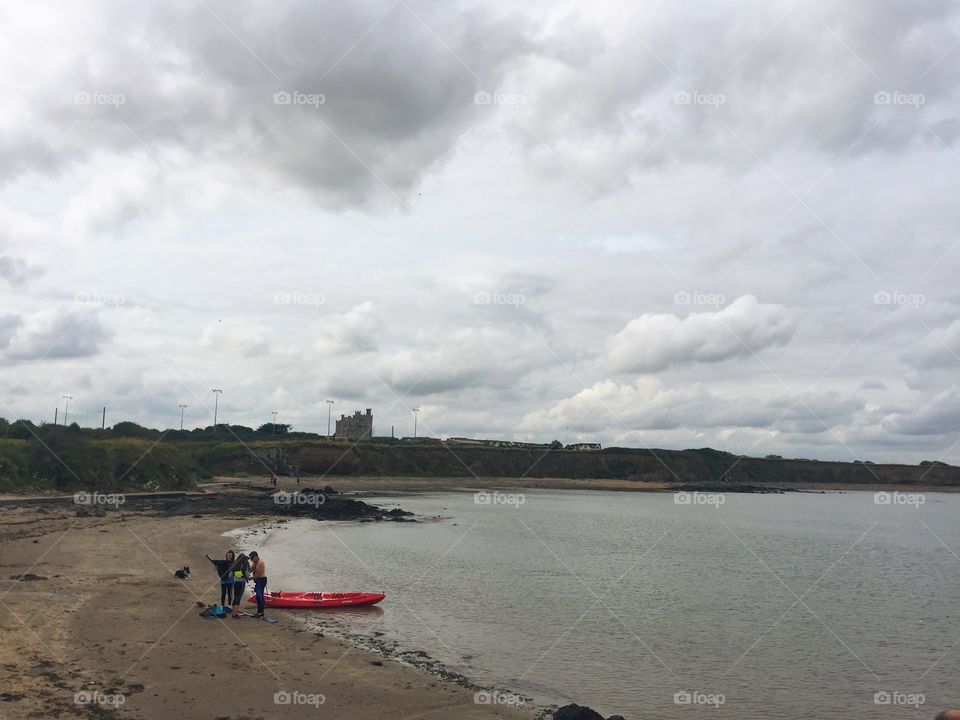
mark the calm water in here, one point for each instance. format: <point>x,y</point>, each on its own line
<point>786,605</point>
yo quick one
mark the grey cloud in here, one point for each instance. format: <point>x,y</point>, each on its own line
<point>58,334</point>
<point>397,82</point>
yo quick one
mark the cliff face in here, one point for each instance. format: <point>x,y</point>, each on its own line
<point>668,466</point>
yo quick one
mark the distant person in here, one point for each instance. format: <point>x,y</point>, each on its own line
<point>949,715</point>
<point>240,572</point>
<point>226,579</point>
<point>273,479</point>
<point>258,571</point>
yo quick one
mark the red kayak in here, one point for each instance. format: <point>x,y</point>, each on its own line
<point>318,600</point>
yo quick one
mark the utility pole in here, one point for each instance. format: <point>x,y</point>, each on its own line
<point>329,409</point>
<point>103,419</point>
<point>182,408</point>
<point>273,428</point>
<point>416,414</point>
<point>216,405</point>
<point>56,413</point>
<point>66,409</point>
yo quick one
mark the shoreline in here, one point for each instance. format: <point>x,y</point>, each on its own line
<point>100,616</point>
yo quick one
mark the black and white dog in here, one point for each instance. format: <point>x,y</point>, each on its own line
<point>183,573</point>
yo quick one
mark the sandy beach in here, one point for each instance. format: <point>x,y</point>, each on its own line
<point>98,623</point>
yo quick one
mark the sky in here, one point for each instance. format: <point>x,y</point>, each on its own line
<point>659,224</point>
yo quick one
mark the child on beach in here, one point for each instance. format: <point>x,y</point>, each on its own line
<point>226,579</point>
<point>258,571</point>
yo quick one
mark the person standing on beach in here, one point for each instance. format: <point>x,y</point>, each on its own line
<point>258,571</point>
<point>240,572</point>
<point>226,579</point>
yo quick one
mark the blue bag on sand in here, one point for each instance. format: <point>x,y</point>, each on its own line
<point>214,611</point>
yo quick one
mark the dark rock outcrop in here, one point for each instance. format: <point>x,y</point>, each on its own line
<point>576,712</point>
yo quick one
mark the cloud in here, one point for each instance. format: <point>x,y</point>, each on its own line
<point>348,102</point>
<point>649,404</point>
<point>61,333</point>
<point>656,341</point>
<point>236,336</point>
<point>937,415</point>
<point>355,331</point>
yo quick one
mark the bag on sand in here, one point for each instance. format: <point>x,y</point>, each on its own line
<point>214,611</point>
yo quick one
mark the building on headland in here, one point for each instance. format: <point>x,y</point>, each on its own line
<point>583,446</point>
<point>358,426</point>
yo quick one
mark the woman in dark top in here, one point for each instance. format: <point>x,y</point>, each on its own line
<point>240,571</point>
<point>226,578</point>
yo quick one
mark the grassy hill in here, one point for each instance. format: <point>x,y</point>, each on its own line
<point>58,458</point>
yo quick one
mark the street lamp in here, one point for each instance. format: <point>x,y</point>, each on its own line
<point>66,408</point>
<point>416,414</point>
<point>216,405</point>
<point>182,408</point>
<point>273,428</point>
<point>329,409</point>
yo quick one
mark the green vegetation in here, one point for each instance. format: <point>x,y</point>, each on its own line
<point>131,457</point>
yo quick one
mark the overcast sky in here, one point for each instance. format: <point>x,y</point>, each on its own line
<point>659,224</point>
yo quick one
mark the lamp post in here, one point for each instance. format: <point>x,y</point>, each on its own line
<point>416,414</point>
<point>66,408</point>
<point>216,405</point>
<point>182,408</point>
<point>329,410</point>
<point>273,428</point>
